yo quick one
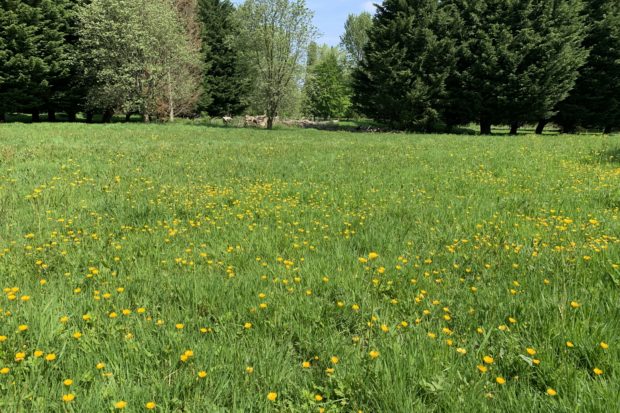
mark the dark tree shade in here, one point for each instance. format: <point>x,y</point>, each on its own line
<point>225,81</point>
<point>408,58</point>
<point>595,100</point>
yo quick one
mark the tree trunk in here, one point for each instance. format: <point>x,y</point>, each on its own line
<point>541,126</point>
<point>35,116</point>
<point>170,100</point>
<point>2,117</point>
<point>51,115</point>
<point>514,128</point>
<point>485,127</point>
<point>146,118</point>
<point>107,116</point>
<point>127,117</point>
<point>89,117</point>
<point>607,130</point>
<point>71,116</point>
<point>269,123</point>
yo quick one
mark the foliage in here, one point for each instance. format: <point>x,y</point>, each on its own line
<point>595,101</point>
<point>409,56</point>
<point>275,36</point>
<point>138,55</point>
<point>226,77</point>
<point>355,37</point>
<point>130,244</point>
<point>326,89</point>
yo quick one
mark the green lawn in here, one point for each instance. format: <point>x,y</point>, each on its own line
<point>163,251</point>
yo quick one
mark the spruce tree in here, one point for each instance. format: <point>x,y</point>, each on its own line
<point>595,100</point>
<point>408,58</point>
<point>225,82</point>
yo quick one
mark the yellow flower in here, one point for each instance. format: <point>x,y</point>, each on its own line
<point>373,256</point>
<point>272,396</point>
<point>247,326</point>
<point>3,338</point>
<point>530,351</point>
<point>50,357</point>
<point>120,404</point>
<point>69,397</point>
<point>334,360</point>
<point>77,335</point>
<point>597,371</point>
<point>20,356</point>
<point>202,374</point>
<point>100,366</point>
<point>22,327</point>
<point>481,368</point>
<point>500,380</point>
<point>551,392</point>
<point>113,315</point>
<point>575,304</point>
<point>249,369</point>
<point>38,353</point>
<point>604,345</point>
<point>488,359</point>
<point>5,370</point>
<point>461,350</point>
<point>150,405</point>
<point>179,326</point>
<point>318,398</point>
<point>67,382</point>
<point>373,354</point>
<point>305,364</point>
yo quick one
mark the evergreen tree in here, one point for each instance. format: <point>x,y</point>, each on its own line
<point>595,100</point>
<point>225,80</point>
<point>516,60</point>
<point>408,58</point>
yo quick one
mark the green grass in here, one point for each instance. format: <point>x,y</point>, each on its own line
<point>192,224</point>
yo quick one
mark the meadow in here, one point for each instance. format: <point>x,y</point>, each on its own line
<point>184,268</point>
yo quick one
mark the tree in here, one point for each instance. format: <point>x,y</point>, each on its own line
<point>595,100</point>
<point>225,81</point>
<point>326,89</point>
<point>35,55</point>
<point>408,58</point>
<point>275,36</point>
<point>138,55</point>
<point>355,37</point>
<point>516,59</point>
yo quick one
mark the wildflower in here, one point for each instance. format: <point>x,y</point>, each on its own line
<point>575,304</point>
<point>38,353</point>
<point>50,357</point>
<point>597,371</point>
<point>77,335</point>
<point>318,398</point>
<point>272,396</point>
<point>202,374</point>
<point>530,351</point>
<point>120,404</point>
<point>461,351</point>
<point>150,405</point>
<point>488,359</point>
<point>5,370</point>
<point>305,364</point>
<point>247,326</point>
<point>551,392</point>
<point>100,366</point>
<point>604,345</point>
<point>500,380</point>
<point>249,369</point>
<point>334,360</point>
<point>69,397</point>
<point>20,356</point>
<point>373,354</point>
<point>570,344</point>
<point>67,382</point>
<point>481,368</point>
<point>373,256</point>
<point>179,326</point>
<point>22,327</point>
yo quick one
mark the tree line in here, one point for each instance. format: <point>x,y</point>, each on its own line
<point>432,65</point>
<point>427,65</point>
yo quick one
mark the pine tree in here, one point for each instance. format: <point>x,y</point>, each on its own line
<point>407,60</point>
<point>595,100</point>
<point>225,80</point>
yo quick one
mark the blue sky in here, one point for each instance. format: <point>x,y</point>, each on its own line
<point>330,15</point>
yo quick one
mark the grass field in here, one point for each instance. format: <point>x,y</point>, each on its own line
<point>207,269</point>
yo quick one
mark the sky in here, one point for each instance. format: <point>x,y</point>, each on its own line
<point>330,15</point>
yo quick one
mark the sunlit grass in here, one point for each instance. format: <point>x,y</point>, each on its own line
<point>182,268</point>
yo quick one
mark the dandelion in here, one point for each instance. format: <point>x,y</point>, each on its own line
<point>604,345</point>
<point>481,368</point>
<point>530,351</point>
<point>67,382</point>
<point>373,354</point>
<point>69,397</point>
<point>318,398</point>
<point>597,371</point>
<point>100,366</point>
<point>305,364</point>
<point>50,357</point>
<point>551,392</point>
<point>488,359</point>
<point>249,369</point>
<point>373,256</point>
<point>272,396</point>
<point>120,404</point>
<point>247,326</point>
<point>500,380</point>
<point>334,360</point>
<point>5,370</point>
<point>150,405</point>
<point>575,304</point>
<point>461,351</point>
<point>22,328</point>
<point>202,374</point>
